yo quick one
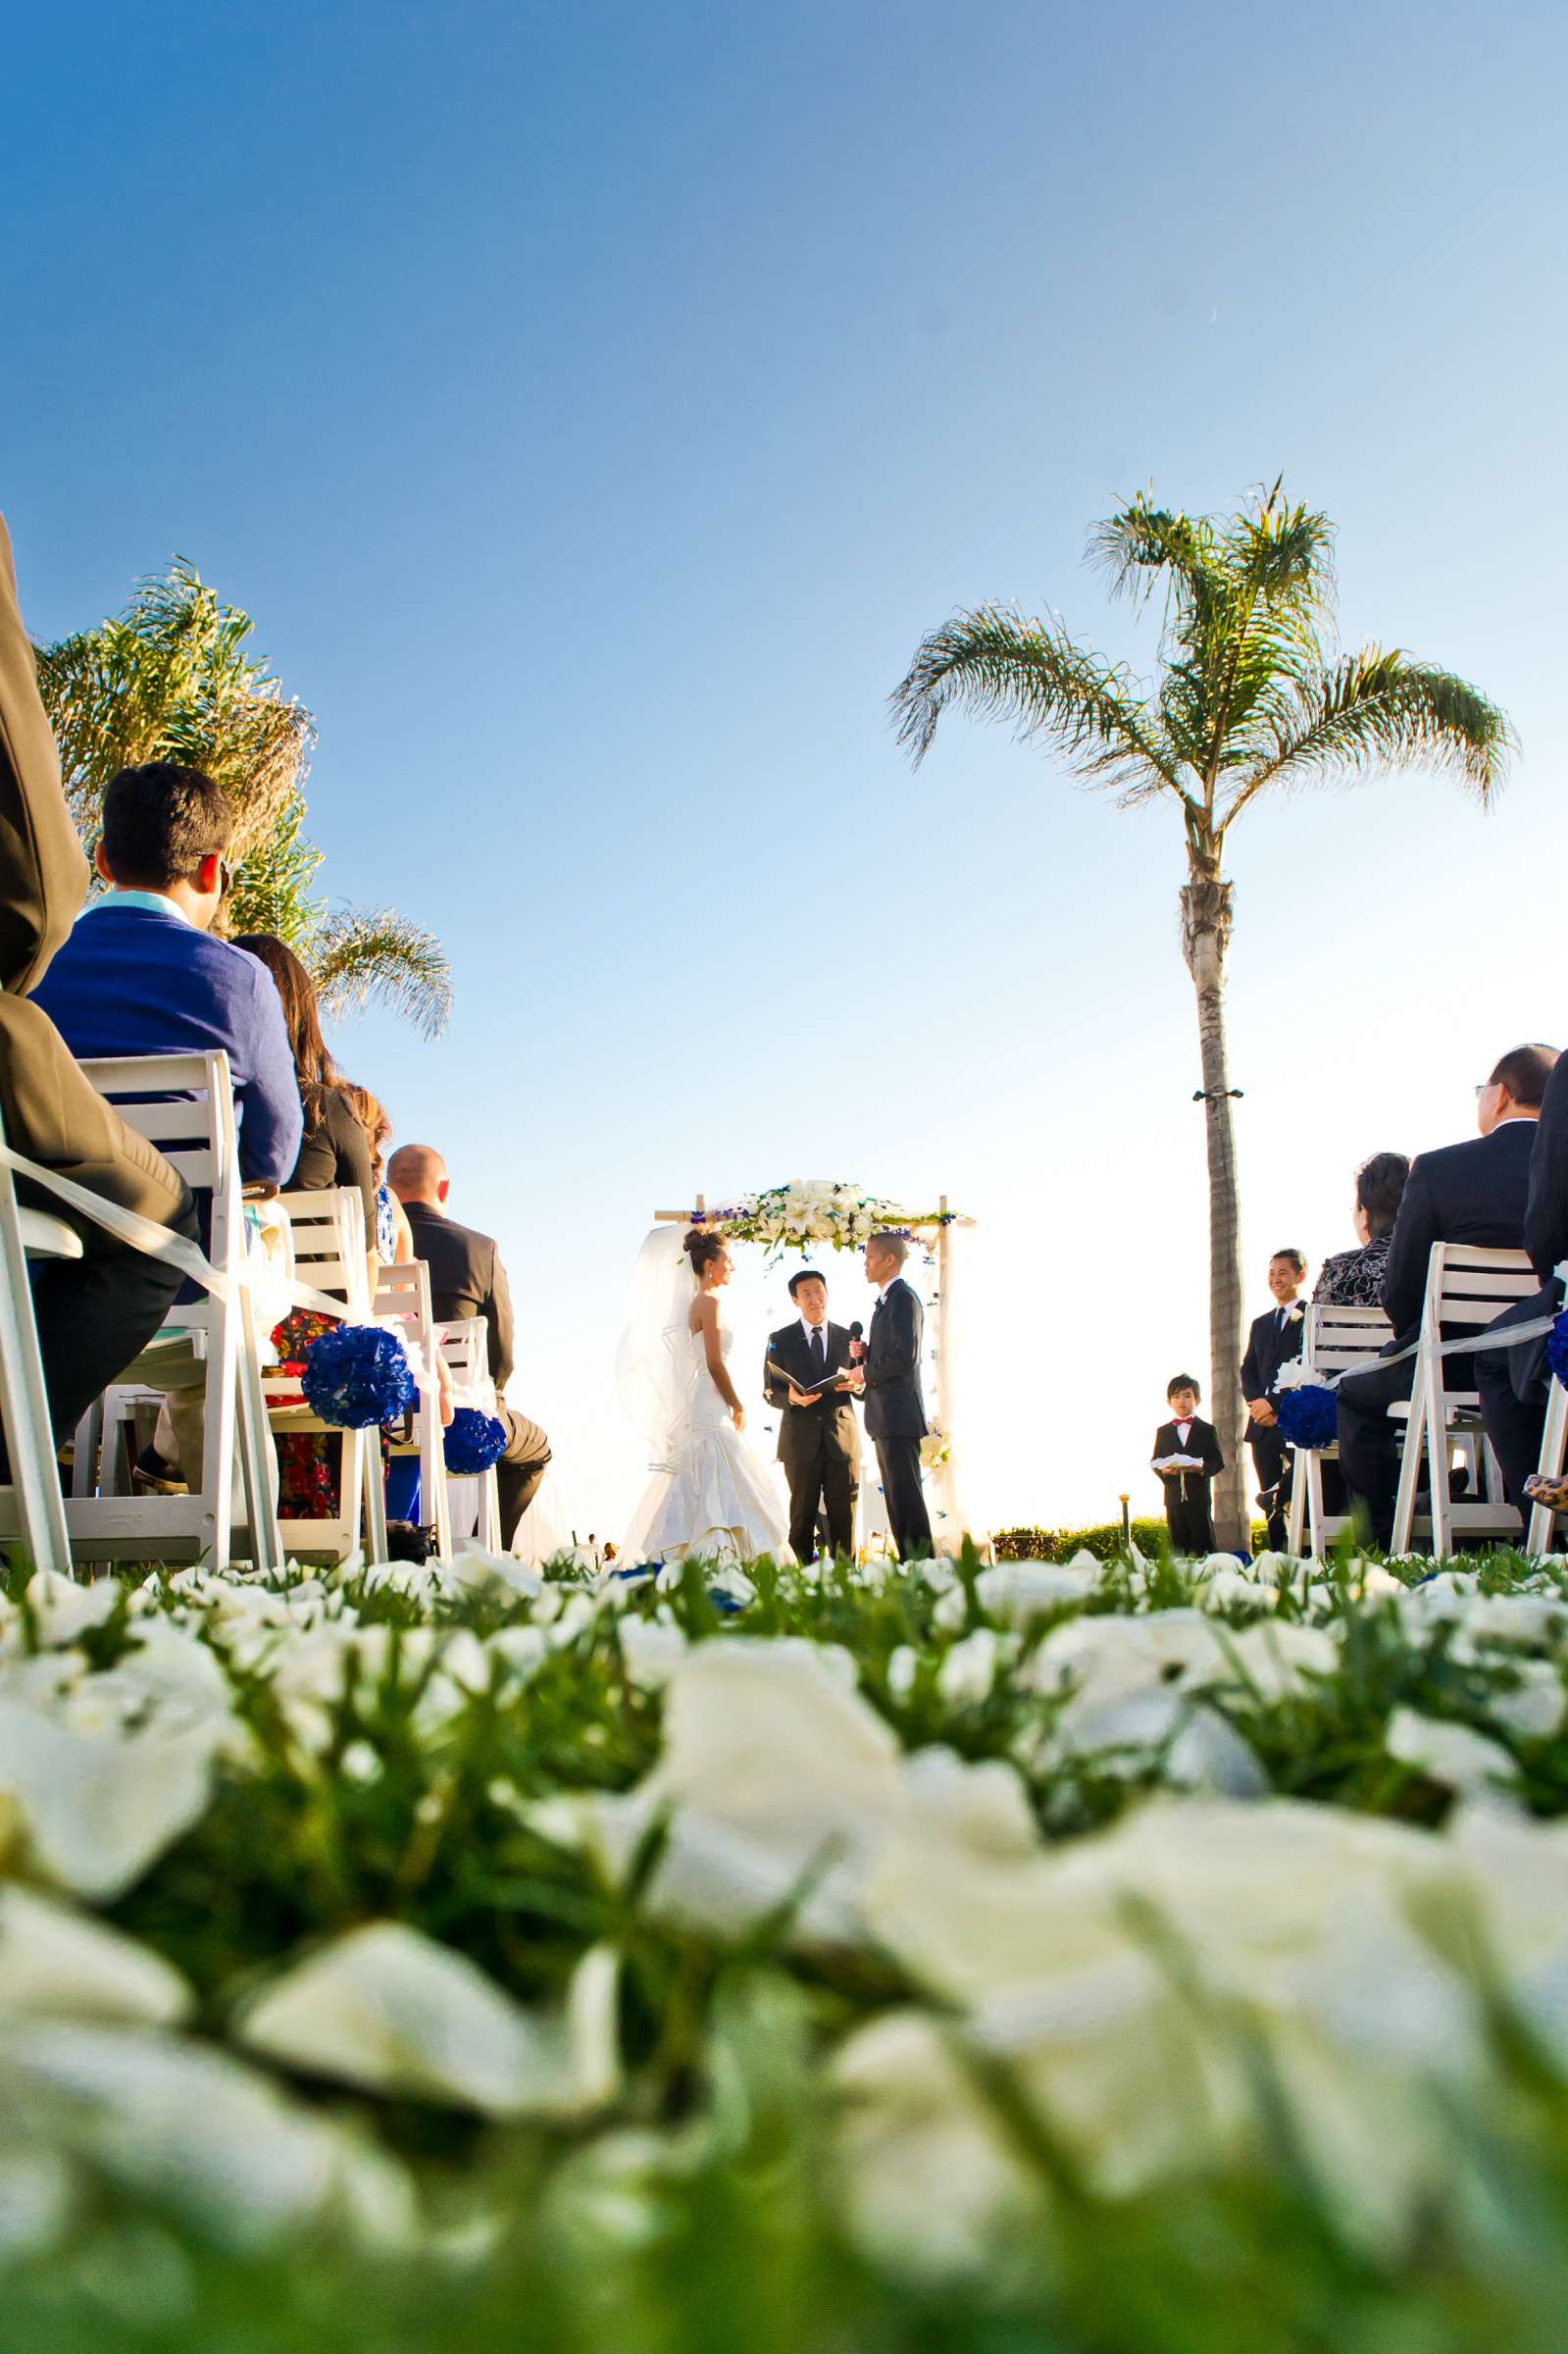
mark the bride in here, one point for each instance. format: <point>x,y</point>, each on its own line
<point>710,1498</point>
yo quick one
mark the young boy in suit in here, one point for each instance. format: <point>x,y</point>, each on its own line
<point>1188,1514</point>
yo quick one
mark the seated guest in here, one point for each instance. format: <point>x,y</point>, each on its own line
<point>1354,1278</point>
<point>1187,1513</point>
<point>141,975</point>
<point>395,1238</point>
<point>335,1148</point>
<point>468,1279</point>
<point>1275,1338</point>
<point>1513,1382</point>
<point>97,1313</point>
<point>1471,1193</point>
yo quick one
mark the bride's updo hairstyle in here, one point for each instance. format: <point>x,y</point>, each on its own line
<point>702,1248</point>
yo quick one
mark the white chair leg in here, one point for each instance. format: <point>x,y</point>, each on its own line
<point>255,1439</point>
<point>34,1473</point>
<point>218,1457</point>
<point>1438,1463</point>
<point>375,1540</point>
<point>1553,1447</point>
<point>1300,1457</point>
<point>491,1511</point>
<point>1314,1499</point>
<point>1404,1510</point>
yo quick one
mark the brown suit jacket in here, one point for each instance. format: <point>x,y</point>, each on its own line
<point>51,1113</point>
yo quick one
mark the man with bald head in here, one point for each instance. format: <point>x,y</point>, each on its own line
<point>468,1279</point>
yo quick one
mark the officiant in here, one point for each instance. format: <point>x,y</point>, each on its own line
<point>819,1441</point>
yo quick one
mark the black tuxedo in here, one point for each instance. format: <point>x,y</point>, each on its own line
<point>819,1445</point>
<point>1187,1512</point>
<point>1474,1193</point>
<point>1274,1339</point>
<point>1514,1382</point>
<point>895,1412</point>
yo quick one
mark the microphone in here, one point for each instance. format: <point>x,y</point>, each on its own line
<point>856,1347</point>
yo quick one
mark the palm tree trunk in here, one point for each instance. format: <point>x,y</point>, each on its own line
<point>1205,937</point>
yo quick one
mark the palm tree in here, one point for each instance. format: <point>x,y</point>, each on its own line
<point>171,679</point>
<point>1253,695</point>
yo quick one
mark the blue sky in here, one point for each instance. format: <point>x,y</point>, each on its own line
<point>595,405</point>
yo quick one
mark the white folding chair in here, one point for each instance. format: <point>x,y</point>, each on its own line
<point>1331,1339</point>
<point>32,1507</point>
<point>473,1502</point>
<point>327,1227</point>
<point>1465,1286</point>
<point>1553,1451</point>
<point>184,1103</point>
<point>403,1292</point>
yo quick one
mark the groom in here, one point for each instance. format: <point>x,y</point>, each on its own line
<point>819,1445</point>
<point>890,1377</point>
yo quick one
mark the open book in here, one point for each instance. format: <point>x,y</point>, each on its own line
<point>829,1381</point>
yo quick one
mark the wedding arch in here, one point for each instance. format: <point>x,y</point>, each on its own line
<point>821,1213</point>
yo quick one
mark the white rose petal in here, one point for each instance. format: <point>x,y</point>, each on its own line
<point>100,1808</point>
<point>388,2009</point>
<point>61,1965</point>
<point>1451,1754</point>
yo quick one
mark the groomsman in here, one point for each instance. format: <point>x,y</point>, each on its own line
<point>1274,1339</point>
<point>889,1374</point>
<point>819,1444</point>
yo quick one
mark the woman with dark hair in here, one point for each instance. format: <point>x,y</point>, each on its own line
<point>334,1150</point>
<point>1354,1278</point>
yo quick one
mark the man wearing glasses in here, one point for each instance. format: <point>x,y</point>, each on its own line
<point>1473,1193</point>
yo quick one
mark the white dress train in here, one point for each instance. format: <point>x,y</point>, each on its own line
<point>712,1498</point>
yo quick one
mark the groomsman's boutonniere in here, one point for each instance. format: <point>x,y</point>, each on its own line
<point>1292,1314</point>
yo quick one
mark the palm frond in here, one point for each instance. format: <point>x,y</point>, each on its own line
<point>373,956</point>
<point>1373,711</point>
<point>1140,543</point>
<point>995,664</point>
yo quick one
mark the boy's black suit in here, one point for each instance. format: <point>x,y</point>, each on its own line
<point>819,1445</point>
<point>1187,1512</point>
<point>895,1412</point>
<point>1275,1338</point>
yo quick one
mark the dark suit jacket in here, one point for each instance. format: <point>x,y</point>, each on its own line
<point>1472,1193</point>
<point>51,1113</point>
<point>1268,1348</point>
<point>1201,1440</point>
<point>894,1407</point>
<point>804,1429</point>
<point>1546,1211</point>
<point>467,1279</point>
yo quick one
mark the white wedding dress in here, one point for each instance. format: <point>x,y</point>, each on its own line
<point>711,1498</point>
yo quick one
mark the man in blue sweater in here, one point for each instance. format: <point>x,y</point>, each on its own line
<point>141,974</point>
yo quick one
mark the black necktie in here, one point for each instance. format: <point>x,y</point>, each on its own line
<point>819,1349</point>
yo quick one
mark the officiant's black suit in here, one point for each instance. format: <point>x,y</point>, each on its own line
<point>1474,1193</point>
<point>819,1445</point>
<point>1272,1340</point>
<point>1188,1515</point>
<point>895,1412</point>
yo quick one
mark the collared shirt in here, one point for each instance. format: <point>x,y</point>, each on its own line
<point>811,1331</point>
<point>1530,1118</point>
<point>883,1289</point>
<point>156,902</point>
<point>1182,1429</point>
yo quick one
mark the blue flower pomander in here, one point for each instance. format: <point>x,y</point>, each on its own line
<point>1557,1349</point>
<point>1308,1416</point>
<point>474,1442</point>
<point>357,1376</point>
